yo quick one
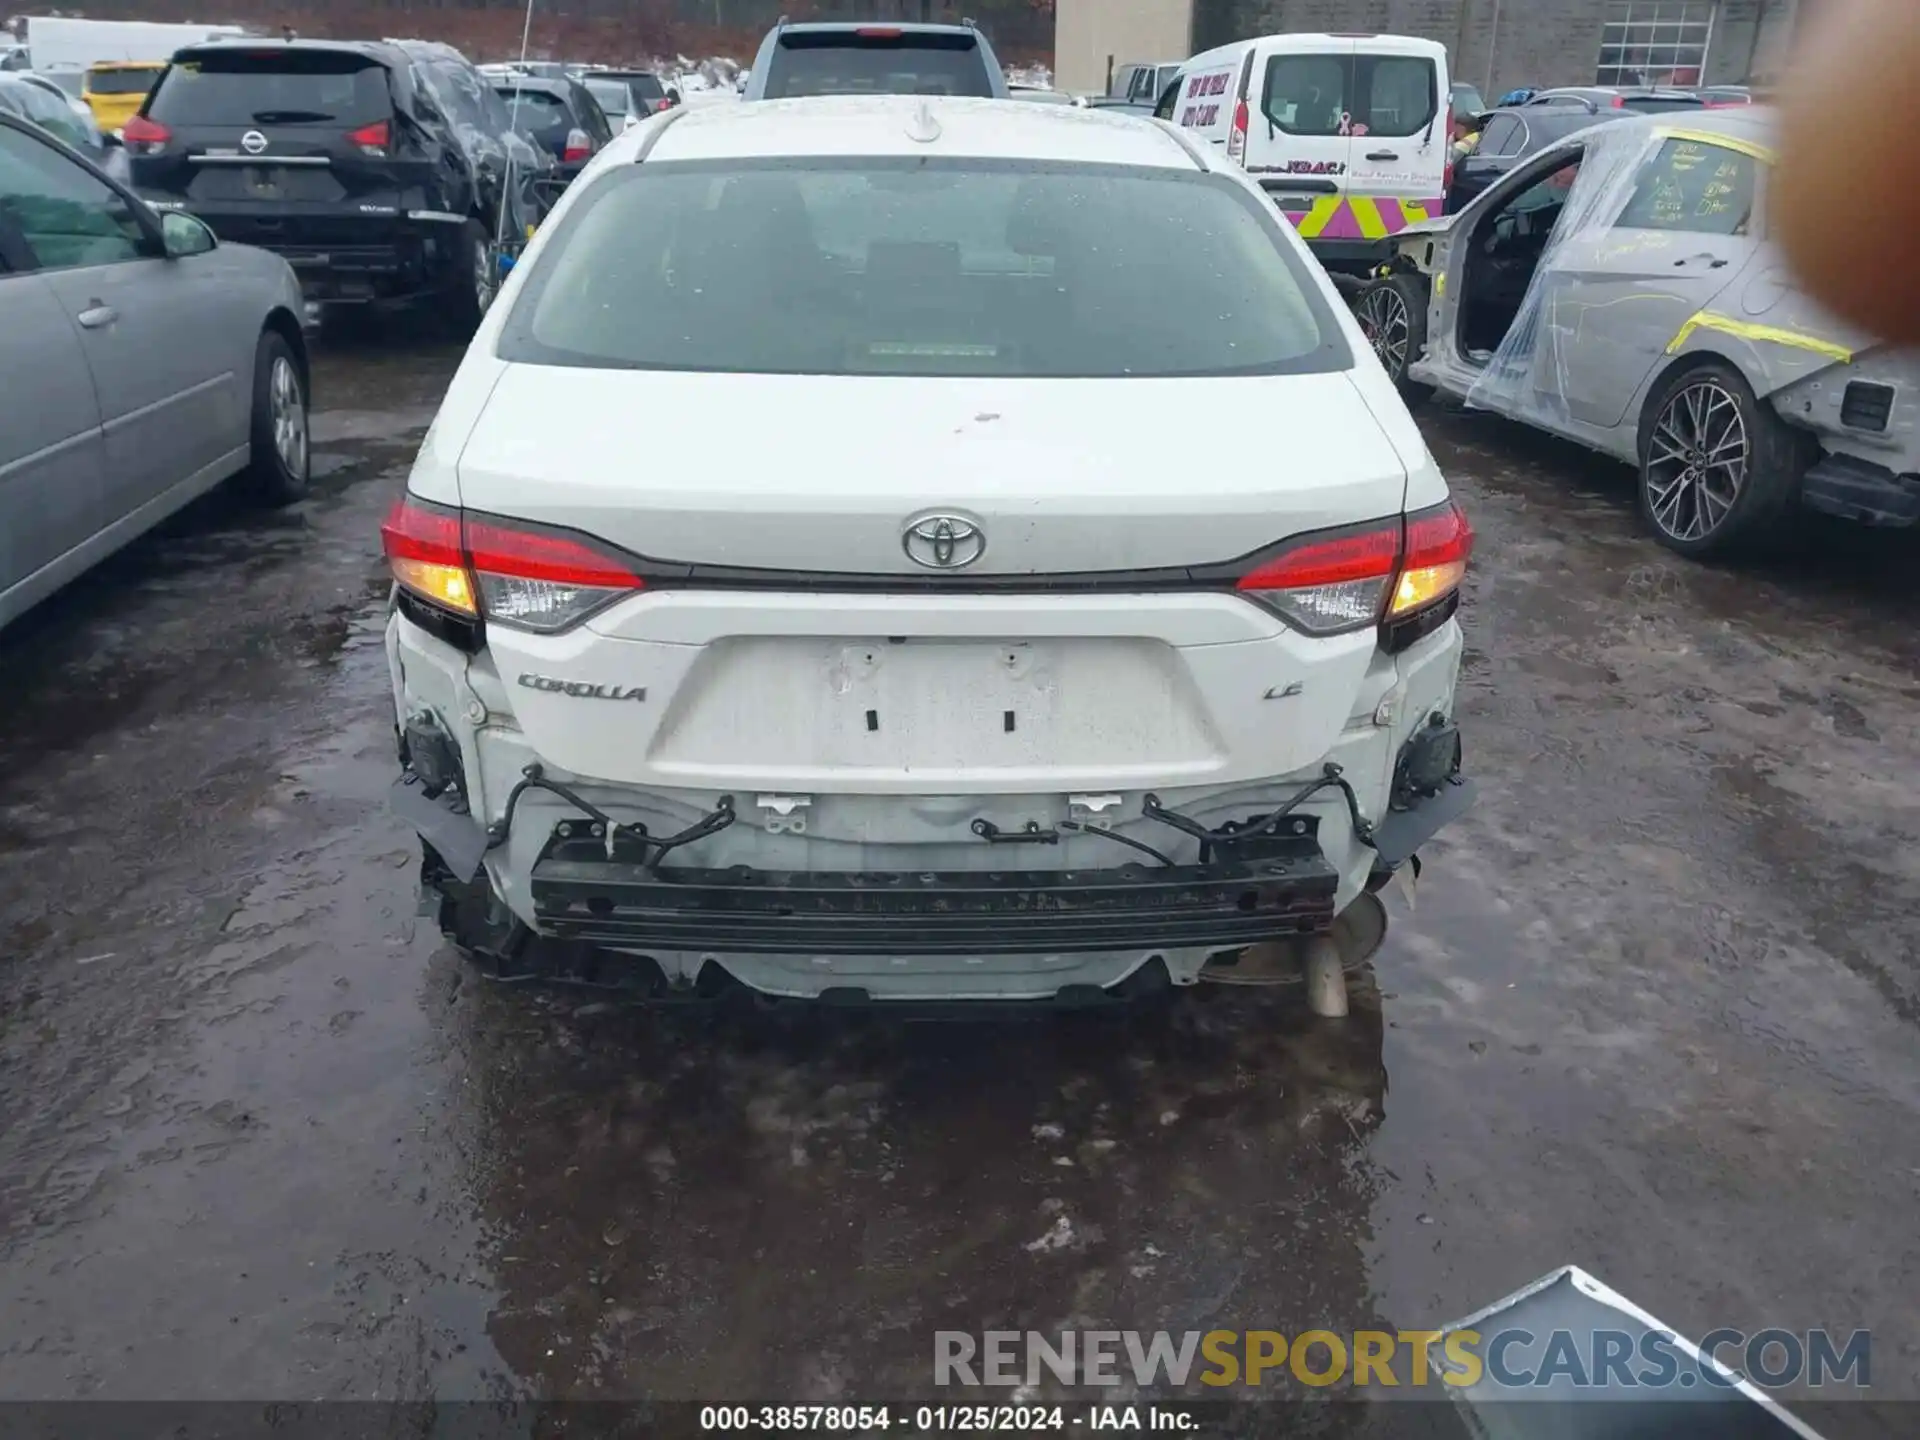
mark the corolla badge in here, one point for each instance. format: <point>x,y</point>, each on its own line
<point>581,690</point>
<point>943,542</point>
<point>253,142</point>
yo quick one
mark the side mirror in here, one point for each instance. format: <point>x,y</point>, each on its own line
<point>185,235</point>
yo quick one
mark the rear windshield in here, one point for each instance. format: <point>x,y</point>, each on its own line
<point>534,109</point>
<point>647,87</point>
<point>612,95</point>
<point>844,62</point>
<point>922,267</point>
<point>1326,94</point>
<point>123,82</point>
<point>287,87</point>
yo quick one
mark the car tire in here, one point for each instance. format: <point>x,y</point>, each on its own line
<point>1393,313</point>
<point>476,280</point>
<point>1719,471</point>
<point>282,448</point>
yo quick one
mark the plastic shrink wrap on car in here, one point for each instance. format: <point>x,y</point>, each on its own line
<point>1511,384</point>
<point>1782,341</point>
<point>504,165</point>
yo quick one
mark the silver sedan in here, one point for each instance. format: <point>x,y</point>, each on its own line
<point>145,362</point>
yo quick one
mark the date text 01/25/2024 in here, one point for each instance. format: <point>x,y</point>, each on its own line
<point>928,1419</point>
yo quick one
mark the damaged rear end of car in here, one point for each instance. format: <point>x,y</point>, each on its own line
<point>929,681</point>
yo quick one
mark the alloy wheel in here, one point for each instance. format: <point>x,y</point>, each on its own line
<point>1384,321</point>
<point>289,415</point>
<point>1697,460</point>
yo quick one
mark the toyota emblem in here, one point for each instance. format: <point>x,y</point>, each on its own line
<point>253,142</point>
<point>943,542</point>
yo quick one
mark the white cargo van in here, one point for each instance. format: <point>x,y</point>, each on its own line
<point>1348,133</point>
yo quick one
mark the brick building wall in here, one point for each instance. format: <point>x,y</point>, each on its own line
<point>1500,44</point>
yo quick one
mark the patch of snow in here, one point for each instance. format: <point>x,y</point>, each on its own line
<point>1059,1237</point>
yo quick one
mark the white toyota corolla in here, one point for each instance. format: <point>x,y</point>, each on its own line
<point>918,549</point>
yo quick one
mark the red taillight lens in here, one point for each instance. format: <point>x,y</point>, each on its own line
<point>579,147</point>
<point>1326,585</point>
<point>477,565</point>
<point>1438,544</point>
<point>372,139</point>
<point>142,136</point>
<point>1332,583</point>
<point>423,552</point>
<point>1237,137</point>
<point>1619,102</point>
<point>1446,173</point>
<point>879,32</point>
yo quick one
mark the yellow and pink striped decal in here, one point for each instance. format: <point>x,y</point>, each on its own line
<point>1360,217</point>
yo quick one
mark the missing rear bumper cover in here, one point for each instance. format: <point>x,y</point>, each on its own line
<point>579,894</point>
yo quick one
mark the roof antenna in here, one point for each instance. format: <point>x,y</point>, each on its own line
<point>923,129</point>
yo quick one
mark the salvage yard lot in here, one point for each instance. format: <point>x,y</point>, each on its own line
<point>1655,1014</point>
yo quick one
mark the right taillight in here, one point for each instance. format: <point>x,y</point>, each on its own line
<point>1237,136</point>
<point>1438,544</point>
<point>372,140</point>
<point>142,136</point>
<point>1387,573</point>
<point>509,573</point>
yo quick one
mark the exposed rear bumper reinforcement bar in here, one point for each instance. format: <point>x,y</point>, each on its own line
<point>579,894</point>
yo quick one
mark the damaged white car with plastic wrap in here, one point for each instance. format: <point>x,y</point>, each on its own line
<point>921,550</point>
<point>1619,289</point>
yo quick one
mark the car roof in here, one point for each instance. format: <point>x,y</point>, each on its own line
<point>126,64</point>
<point>386,52</point>
<point>848,27</point>
<point>888,124</point>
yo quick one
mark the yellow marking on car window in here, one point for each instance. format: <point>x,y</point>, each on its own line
<point>1763,334</point>
<point>1366,214</point>
<point>1725,142</point>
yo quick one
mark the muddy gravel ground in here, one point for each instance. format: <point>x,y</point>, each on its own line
<point>1657,1013</point>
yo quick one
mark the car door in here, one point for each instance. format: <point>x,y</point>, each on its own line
<point>1619,290</point>
<point>1398,134</point>
<point>1299,137</point>
<point>1448,253</point>
<point>158,334</point>
<point>52,468</point>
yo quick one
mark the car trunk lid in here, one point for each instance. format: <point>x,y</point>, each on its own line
<point>1063,476</point>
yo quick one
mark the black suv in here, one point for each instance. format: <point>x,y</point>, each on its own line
<point>382,171</point>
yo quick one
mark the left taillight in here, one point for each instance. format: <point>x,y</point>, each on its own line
<point>423,551</point>
<point>485,567</point>
<point>373,140</point>
<point>142,136</point>
<point>1378,574</point>
<point>579,146</point>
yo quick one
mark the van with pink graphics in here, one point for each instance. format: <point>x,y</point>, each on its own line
<point>1349,134</point>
